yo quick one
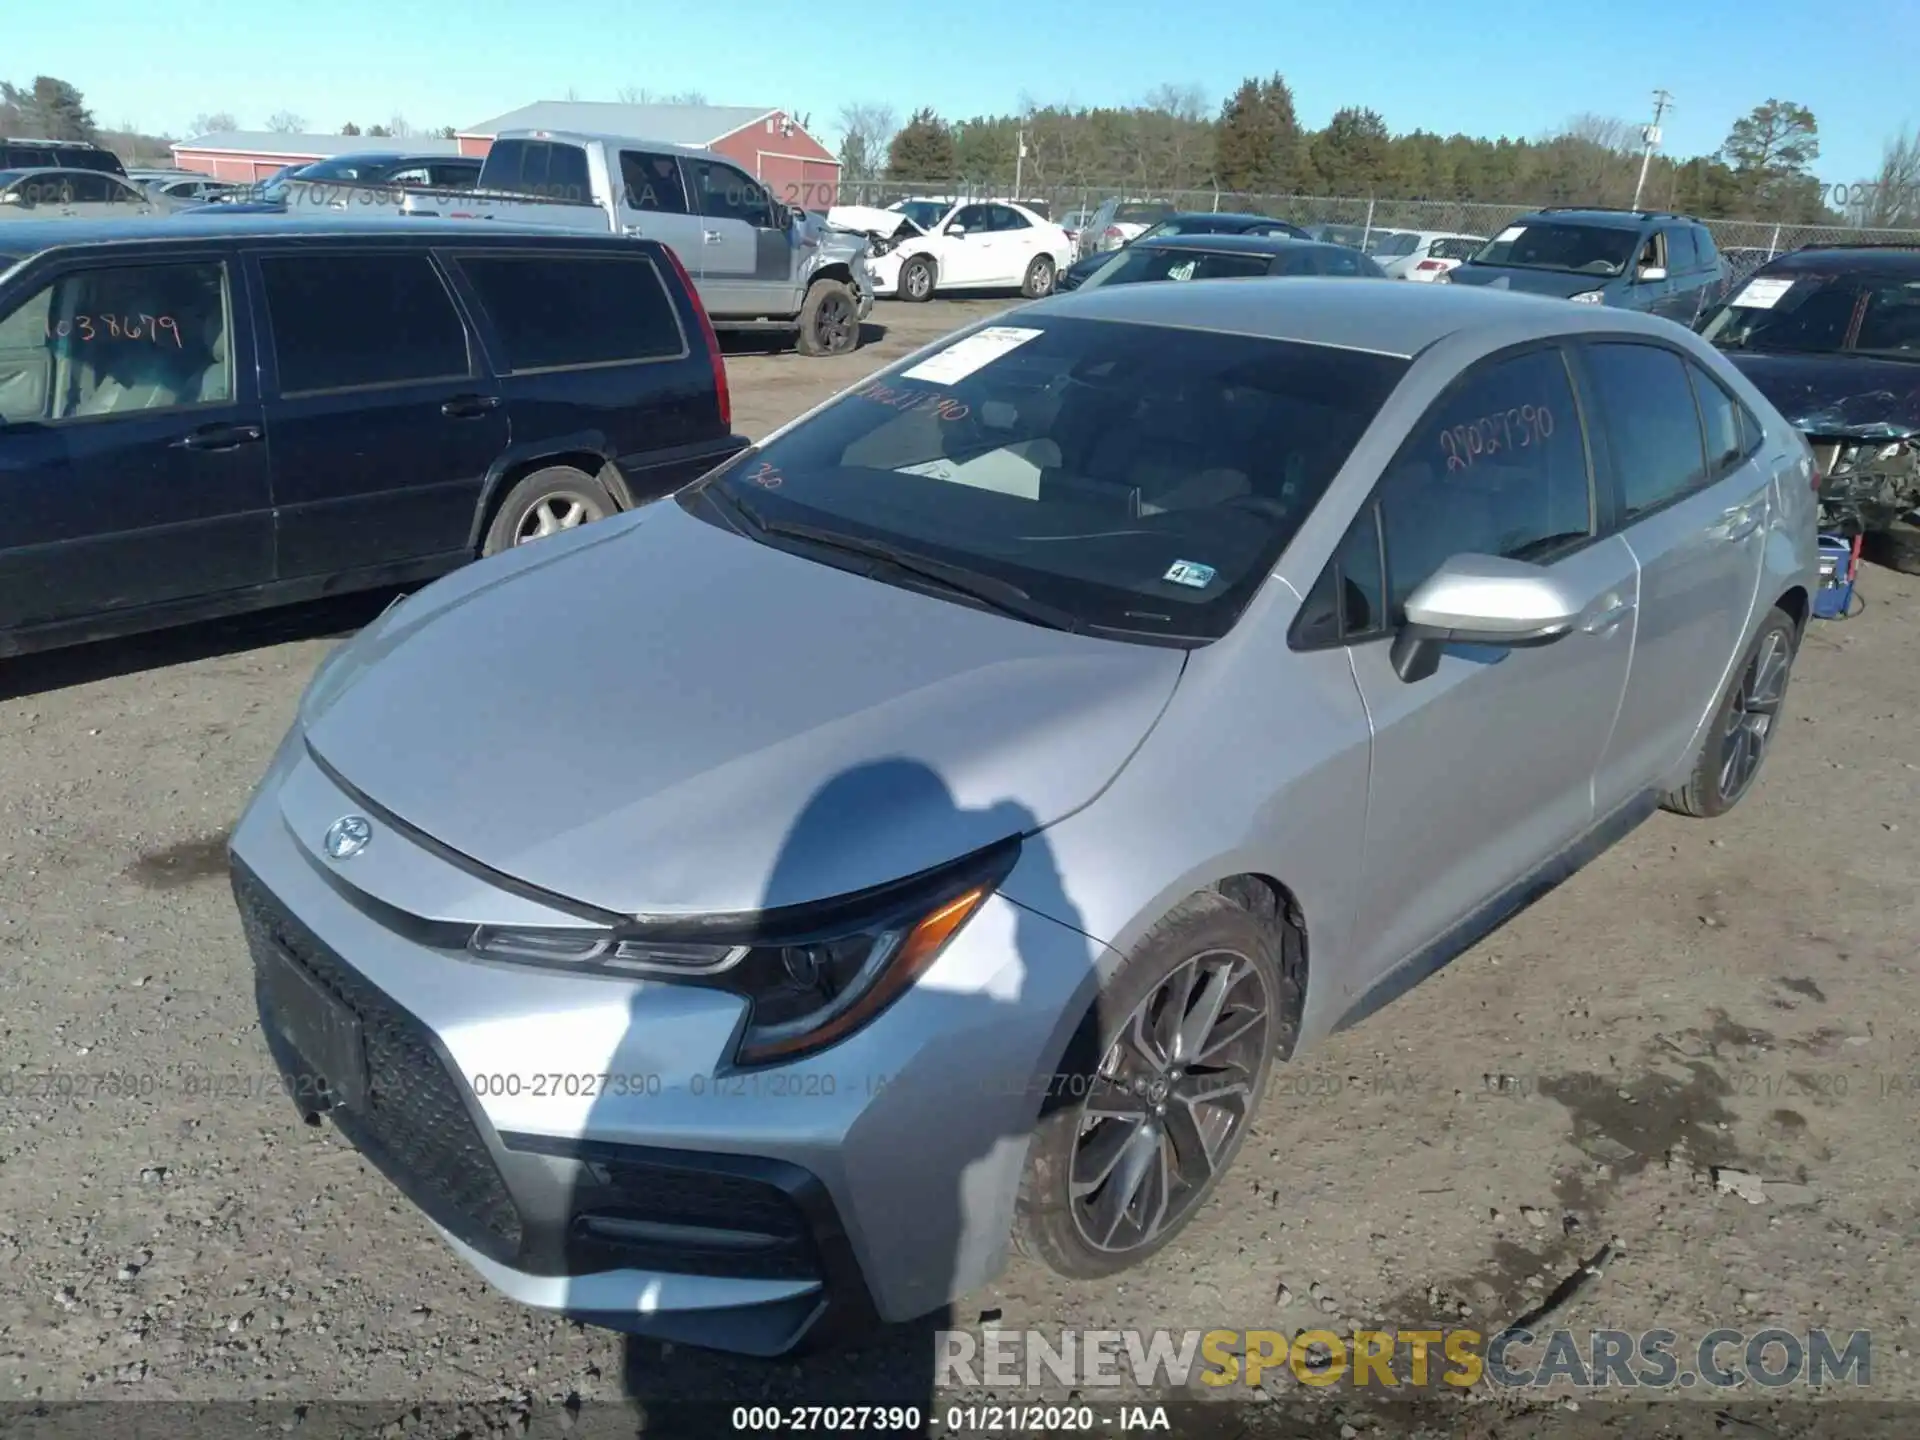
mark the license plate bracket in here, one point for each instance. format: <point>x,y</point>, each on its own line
<point>325,1035</point>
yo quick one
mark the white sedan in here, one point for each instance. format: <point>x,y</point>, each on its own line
<point>976,245</point>
<point>1423,254</point>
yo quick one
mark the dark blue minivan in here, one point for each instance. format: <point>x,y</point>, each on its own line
<point>202,420</point>
<point>1643,260</point>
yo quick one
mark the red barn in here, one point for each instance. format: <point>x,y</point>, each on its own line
<point>768,144</point>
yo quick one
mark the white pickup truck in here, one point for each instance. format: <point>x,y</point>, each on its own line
<point>757,264</point>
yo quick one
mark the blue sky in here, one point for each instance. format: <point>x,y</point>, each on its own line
<point>1513,68</point>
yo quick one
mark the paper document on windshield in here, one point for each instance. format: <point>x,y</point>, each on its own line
<point>1511,233</point>
<point>1762,294</point>
<point>977,351</point>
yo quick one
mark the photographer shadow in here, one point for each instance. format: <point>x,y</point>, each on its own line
<point>982,1047</point>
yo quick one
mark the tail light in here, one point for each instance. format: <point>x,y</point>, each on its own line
<point>1431,265</point>
<point>706,332</point>
<point>1112,232</point>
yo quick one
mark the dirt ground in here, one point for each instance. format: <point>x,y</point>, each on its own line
<point>1736,994</point>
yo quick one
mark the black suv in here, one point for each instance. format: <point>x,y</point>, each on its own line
<point>250,411</point>
<point>1831,335</point>
<point>1634,259</point>
<point>57,154</point>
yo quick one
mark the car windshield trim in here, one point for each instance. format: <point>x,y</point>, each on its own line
<point>1129,480</point>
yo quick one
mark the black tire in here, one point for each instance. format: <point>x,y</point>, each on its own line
<point>829,319</point>
<point>1897,547</point>
<point>562,489</point>
<point>917,279</point>
<point>1046,1225</point>
<point>1040,278</point>
<point>1707,793</point>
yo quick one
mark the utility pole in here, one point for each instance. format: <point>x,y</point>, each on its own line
<point>1019,160</point>
<point>1650,138</point>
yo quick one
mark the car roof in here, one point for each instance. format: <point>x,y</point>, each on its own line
<point>1388,319</point>
<point>19,170</point>
<point>1234,244</point>
<point>1871,259</point>
<point>592,137</point>
<point>1601,219</point>
<point>29,237</point>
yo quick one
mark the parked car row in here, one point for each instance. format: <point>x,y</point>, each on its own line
<point>1079,717</point>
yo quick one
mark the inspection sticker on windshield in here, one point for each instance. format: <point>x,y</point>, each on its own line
<point>963,357</point>
<point>1763,294</point>
<point>1512,232</point>
<point>1186,572</point>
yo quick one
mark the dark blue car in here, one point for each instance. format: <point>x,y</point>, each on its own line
<point>1643,260</point>
<point>1197,222</point>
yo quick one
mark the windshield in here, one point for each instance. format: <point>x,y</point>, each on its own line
<point>1813,315</point>
<point>1137,263</point>
<point>1142,479</point>
<point>924,213</point>
<point>1578,249</point>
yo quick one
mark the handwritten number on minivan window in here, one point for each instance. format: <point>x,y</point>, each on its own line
<point>1519,428</point>
<point>158,329</point>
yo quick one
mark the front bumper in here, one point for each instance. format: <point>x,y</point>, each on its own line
<point>582,1142</point>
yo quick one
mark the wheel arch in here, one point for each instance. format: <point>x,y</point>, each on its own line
<point>1797,604</point>
<point>509,470</point>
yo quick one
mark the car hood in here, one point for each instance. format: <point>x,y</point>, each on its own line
<point>1560,283</point>
<point>643,719</point>
<point>870,220</point>
<point>1838,395</point>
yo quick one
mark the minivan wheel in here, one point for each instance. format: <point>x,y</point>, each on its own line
<point>545,503</point>
<point>1039,281</point>
<point>829,319</point>
<point>916,279</point>
<point>1743,726</point>
<point>1186,1029</point>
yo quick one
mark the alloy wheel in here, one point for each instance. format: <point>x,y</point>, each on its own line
<point>1756,701</point>
<point>550,515</point>
<point>1170,1097</point>
<point>836,325</point>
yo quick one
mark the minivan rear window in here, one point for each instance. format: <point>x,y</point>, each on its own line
<point>1140,478</point>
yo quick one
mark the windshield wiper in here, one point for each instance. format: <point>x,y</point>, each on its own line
<point>997,594</point>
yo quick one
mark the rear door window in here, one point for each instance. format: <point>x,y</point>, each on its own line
<point>1004,217</point>
<point>549,169</point>
<point>1732,433</point>
<point>1681,256</point>
<point>349,320</point>
<point>555,312</point>
<point>1653,425</point>
<point>653,182</point>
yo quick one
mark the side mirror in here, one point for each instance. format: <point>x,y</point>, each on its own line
<point>1482,600</point>
<point>956,229</point>
<point>1650,273</point>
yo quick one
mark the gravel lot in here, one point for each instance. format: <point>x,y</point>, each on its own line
<point>1740,990</point>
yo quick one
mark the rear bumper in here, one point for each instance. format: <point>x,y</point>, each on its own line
<point>757,1212</point>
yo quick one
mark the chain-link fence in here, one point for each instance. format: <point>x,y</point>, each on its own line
<point>1745,242</point>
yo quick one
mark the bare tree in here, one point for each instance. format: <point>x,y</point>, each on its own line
<point>640,95</point>
<point>214,124</point>
<point>1892,198</point>
<point>866,130</point>
<point>400,129</point>
<point>285,122</point>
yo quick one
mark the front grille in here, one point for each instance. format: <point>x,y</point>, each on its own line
<point>689,1219</point>
<point>415,1127</point>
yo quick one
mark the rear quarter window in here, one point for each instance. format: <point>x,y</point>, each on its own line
<point>553,312</point>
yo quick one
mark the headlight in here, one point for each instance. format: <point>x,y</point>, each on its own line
<point>1587,297</point>
<point>812,975</point>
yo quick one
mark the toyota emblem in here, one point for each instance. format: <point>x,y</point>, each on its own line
<point>347,837</point>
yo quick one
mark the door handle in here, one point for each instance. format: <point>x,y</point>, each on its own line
<point>712,236</point>
<point>1605,620</point>
<point>220,437</point>
<point>469,407</point>
<point>629,229</point>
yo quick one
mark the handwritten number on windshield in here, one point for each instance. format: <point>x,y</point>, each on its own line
<point>944,406</point>
<point>1519,428</point>
<point>766,475</point>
